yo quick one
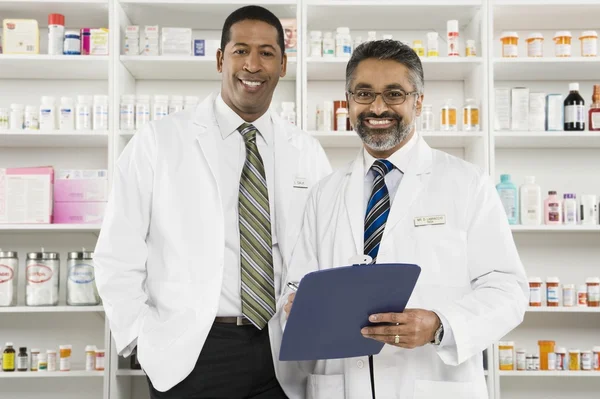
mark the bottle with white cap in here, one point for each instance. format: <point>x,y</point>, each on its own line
<point>48,113</point>
<point>371,36</point>
<point>433,49</point>
<point>83,113</point>
<point>176,104</point>
<point>531,202</point>
<point>161,107</point>
<point>343,42</point>
<point>190,102</point>
<point>32,121</point>
<point>453,49</point>
<point>100,117</point>
<point>66,114</point>
<point>288,113</point>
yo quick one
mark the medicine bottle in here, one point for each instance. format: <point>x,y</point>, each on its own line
<point>32,121</point>
<point>582,295</point>
<point>316,43</point>
<point>17,116</point>
<point>127,112</point>
<point>471,50</point>
<point>56,34</point>
<point>521,359</point>
<point>433,49</point>
<point>66,114</point>
<point>287,113</point>
<point>22,360</point>
<point>448,117</point>
<point>160,108</point>
<point>470,116</point>
<point>552,209</point>
<point>596,358</point>
<point>535,291</point>
<point>72,43</point>
<point>35,358</point>
<point>418,48</point>
<point>343,42</point>
<point>52,359</point>
<point>586,360</point>
<point>371,36</point>
<point>535,45</point>
<point>593,292</point>
<point>100,359</point>
<point>562,44</point>
<point>90,358</point>
<point>452,27</point>
<point>8,357</point>
<point>552,291</point>
<point>569,295</point>
<point>4,113</point>
<point>42,362</point>
<point>506,355</point>
<point>48,113</point>
<point>175,104</point>
<point>100,113</point>
<point>65,357</point>
<point>510,44</point>
<point>589,43</point>
<point>574,109</point>
<point>574,359</point>
<point>328,45</point>
<point>545,348</point>
<point>83,113</point>
<point>594,112</point>
<point>142,111</point>
<point>569,209</point>
<point>427,119</point>
<point>561,359</point>
<point>341,115</point>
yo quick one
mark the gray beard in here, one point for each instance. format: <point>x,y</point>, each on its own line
<point>384,140</point>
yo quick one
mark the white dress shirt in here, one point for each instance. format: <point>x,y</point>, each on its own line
<point>400,159</point>
<point>232,154</point>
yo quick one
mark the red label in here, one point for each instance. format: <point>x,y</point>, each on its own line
<point>10,26</point>
<point>6,273</point>
<point>37,274</point>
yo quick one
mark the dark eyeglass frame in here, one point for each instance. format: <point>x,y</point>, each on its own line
<point>382,94</point>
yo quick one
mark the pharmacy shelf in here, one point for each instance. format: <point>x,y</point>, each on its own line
<point>383,14</point>
<point>549,15</point>
<point>52,374</point>
<point>556,229</point>
<point>126,134</point>
<point>543,139</point>
<point>60,139</point>
<point>78,13</point>
<point>549,68</point>
<point>51,228</point>
<point>51,309</point>
<point>459,68</point>
<point>196,14</point>
<point>562,309</point>
<point>549,373</point>
<point>79,67</point>
<point>181,67</point>
<point>130,373</point>
<point>434,139</point>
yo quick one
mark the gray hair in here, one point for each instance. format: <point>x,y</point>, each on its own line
<point>388,50</point>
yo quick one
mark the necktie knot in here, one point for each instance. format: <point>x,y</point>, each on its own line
<point>248,132</point>
<point>382,167</point>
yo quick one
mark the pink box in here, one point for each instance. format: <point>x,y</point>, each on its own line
<point>81,186</point>
<point>79,212</point>
<point>26,195</point>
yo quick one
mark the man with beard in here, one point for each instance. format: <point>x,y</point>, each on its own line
<point>402,202</point>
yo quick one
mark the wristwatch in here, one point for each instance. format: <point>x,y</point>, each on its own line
<point>439,335</point>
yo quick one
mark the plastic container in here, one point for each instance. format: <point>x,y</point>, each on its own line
<point>506,355</point>
<point>316,43</point>
<point>160,109</point>
<point>593,292</point>
<point>418,48</point>
<point>562,44</point>
<point>545,348</point>
<point>509,197</point>
<point>569,209</point>
<point>535,45</point>
<point>574,359</point>
<point>100,113</point>
<point>582,295</point>
<point>17,117</point>
<point>470,116</point>
<point>589,43</point>
<point>433,46</point>
<point>569,295</point>
<point>66,114</point>
<point>341,115</point>
<point>72,43</point>
<point>100,359</point>
<point>142,111</point>
<point>521,359</point>
<point>535,291</point>
<point>4,114</point>
<point>56,34</point>
<point>596,359</point>
<point>448,117</point>
<point>510,44</point>
<point>452,38</point>
<point>552,209</point>
<point>328,45</point>
<point>530,195</point>
<point>42,362</point>
<point>470,49</point>
<point>65,357</point>
<point>343,42</point>
<point>175,104</point>
<point>562,362</point>
<point>48,116</point>
<point>83,113</point>
<point>552,291</point>
<point>35,358</point>
<point>32,118</point>
<point>427,118</point>
<point>288,114</point>
<point>587,360</point>
<point>52,359</point>
<point>90,358</point>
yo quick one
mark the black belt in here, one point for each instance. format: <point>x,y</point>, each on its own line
<point>239,321</point>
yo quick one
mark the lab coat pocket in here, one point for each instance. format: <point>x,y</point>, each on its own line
<point>452,390</point>
<point>320,386</point>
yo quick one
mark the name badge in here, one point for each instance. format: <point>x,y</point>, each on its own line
<point>430,220</point>
<point>300,182</point>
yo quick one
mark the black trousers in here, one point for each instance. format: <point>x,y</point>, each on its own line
<point>235,363</point>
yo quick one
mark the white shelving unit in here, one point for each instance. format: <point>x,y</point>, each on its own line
<point>564,161</point>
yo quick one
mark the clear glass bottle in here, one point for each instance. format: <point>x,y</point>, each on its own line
<point>427,119</point>
<point>81,281</point>
<point>9,277</point>
<point>470,116</point>
<point>448,117</point>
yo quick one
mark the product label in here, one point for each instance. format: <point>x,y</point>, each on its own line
<point>34,362</point>
<point>521,361</point>
<point>22,363</point>
<point>37,273</point>
<point>453,45</point>
<point>596,361</point>
<point>574,114</point>
<point>510,50</point>
<point>552,294</point>
<point>560,361</point>
<point>586,361</point>
<point>8,361</point>
<point>563,50</point>
<point>509,202</point>
<point>6,273</point>
<point>593,293</point>
<point>506,358</point>
<point>589,48</point>
<point>65,364</point>
<point>595,120</point>
<point>554,212</point>
<point>81,273</point>
<point>535,295</point>
<point>535,49</point>
<point>568,297</point>
<point>582,298</point>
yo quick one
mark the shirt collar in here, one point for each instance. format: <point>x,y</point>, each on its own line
<point>229,121</point>
<point>400,158</point>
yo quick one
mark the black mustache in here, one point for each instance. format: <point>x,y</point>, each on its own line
<point>386,115</point>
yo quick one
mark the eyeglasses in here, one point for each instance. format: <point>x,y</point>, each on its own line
<point>391,97</point>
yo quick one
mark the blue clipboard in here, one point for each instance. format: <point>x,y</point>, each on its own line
<point>331,307</point>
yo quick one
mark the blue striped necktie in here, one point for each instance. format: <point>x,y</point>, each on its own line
<point>256,253</point>
<point>378,208</point>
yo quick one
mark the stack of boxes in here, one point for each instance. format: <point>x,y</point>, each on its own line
<point>132,40</point>
<point>151,41</point>
<point>80,196</point>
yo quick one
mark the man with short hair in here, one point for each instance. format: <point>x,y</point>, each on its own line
<point>402,202</point>
<point>205,209</point>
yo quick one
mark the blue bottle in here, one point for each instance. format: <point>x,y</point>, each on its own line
<point>509,196</point>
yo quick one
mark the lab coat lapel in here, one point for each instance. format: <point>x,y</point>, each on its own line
<point>206,133</point>
<point>411,184</point>
<point>354,201</point>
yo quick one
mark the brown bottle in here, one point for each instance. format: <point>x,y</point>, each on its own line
<point>594,113</point>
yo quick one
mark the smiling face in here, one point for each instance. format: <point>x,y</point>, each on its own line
<point>251,63</point>
<point>383,128</point>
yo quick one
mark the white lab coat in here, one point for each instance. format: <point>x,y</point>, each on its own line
<point>159,257</point>
<point>471,274</point>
